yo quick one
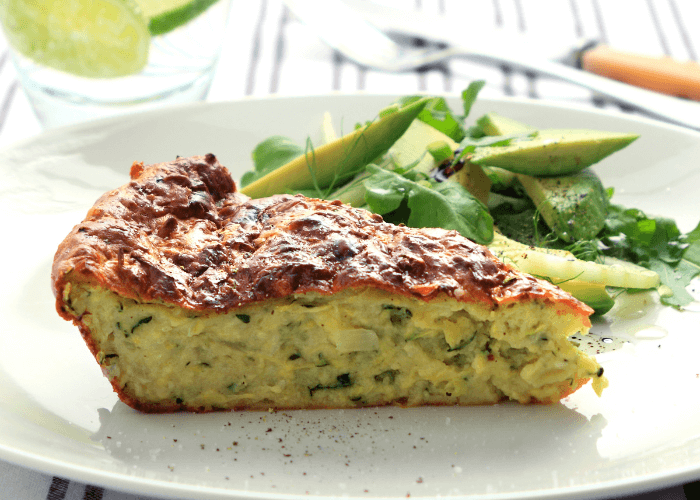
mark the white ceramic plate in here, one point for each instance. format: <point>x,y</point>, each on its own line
<point>59,415</point>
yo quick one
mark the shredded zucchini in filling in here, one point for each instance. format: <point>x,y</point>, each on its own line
<point>358,347</point>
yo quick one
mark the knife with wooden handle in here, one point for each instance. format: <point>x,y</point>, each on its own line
<point>662,74</point>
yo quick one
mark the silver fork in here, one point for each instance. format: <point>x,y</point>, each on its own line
<point>349,33</point>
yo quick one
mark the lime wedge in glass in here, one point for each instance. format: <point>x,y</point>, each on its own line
<point>166,15</point>
<point>89,38</point>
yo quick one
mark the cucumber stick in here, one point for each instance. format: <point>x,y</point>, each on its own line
<point>560,266</point>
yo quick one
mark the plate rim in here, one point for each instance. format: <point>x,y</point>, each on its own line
<point>359,94</point>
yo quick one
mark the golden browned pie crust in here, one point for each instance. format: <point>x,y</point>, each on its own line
<point>181,233</point>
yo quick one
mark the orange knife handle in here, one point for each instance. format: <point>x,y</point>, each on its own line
<point>661,74</point>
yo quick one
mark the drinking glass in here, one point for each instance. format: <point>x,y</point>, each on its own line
<point>180,67</point>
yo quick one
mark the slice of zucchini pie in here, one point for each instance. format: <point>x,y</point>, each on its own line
<point>193,297</point>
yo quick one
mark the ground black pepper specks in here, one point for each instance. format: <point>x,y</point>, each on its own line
<point>357,453</point>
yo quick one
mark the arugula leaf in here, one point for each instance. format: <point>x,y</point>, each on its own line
<point>447,205</point>
<point>677,278</point>
<point>692,252</point>
<point>269,155</point>
<point>470,94</point>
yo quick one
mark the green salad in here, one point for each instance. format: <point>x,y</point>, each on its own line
<point>528,194</point>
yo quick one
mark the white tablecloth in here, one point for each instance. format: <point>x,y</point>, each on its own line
<point>269,52</point>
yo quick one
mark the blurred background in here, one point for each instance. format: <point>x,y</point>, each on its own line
<point>267,51</point>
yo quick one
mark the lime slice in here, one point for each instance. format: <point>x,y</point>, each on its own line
<point>90,38</point>
<point>166,15</point>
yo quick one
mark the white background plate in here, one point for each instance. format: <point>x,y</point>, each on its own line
<point>59,415</point>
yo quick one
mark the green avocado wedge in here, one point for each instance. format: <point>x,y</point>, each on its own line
<point>410,150</point>
<point>495,124</point>
<point>340,159</point>
<point>553,151</point>
<point>573,206</point>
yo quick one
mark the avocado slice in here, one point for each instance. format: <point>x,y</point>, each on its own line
<point>475,180</point>
<point>495,124</point>
<point>553,151</point>
<point>573,206</point>
<point>410,151</point>
<point>340,159</point>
